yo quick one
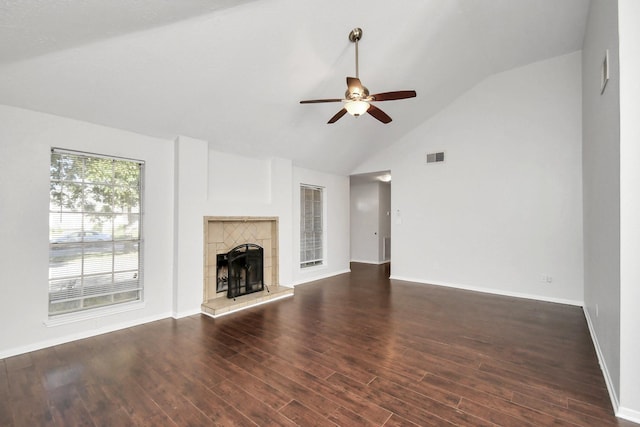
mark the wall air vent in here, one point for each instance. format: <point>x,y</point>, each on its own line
<point>435,157</point>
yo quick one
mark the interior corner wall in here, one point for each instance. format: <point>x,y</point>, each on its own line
<point>336,224</point>
<point>503,212</point>
<point>26,139</point>
<point>601,187</point>
<point>629,48</point>
<point>190,199</point>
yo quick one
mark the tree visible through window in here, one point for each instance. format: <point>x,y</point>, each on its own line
<point>311,231</point>
<point>94,231</point>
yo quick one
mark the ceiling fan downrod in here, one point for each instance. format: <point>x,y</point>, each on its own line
<point>355,35</point>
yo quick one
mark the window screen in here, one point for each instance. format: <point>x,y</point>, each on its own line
<point>311,230</point>
<point>94,231</point>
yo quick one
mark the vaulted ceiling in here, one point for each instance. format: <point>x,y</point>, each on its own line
<point>232,72</point>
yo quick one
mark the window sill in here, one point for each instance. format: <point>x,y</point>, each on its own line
<point>64,319</point>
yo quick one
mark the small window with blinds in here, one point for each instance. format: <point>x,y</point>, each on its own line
<point>311,229</point>
<point>94,231</point>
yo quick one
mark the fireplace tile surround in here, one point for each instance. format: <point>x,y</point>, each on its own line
<point>223,233</point>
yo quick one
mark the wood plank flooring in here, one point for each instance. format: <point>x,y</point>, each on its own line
<point>353,350</point>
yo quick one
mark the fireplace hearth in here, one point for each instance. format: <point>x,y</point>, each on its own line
<point>240,271</point>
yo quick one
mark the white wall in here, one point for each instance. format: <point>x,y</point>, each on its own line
<point>601,188</point>
<point>26,138</point>
<point>235,179</point>
<point>505,208</point>
<point>629,31</point>
<point>611,197</point>
<point>336,198</point>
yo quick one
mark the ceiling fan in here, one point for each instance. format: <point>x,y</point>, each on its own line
<point>357,98</point>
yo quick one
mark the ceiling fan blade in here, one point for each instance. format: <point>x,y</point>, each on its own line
<point>317,101</point>
<point>338,115</point>
<point>390,96</point>
<point>378,114</point>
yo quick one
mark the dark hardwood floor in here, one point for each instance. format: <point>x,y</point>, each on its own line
<point>353,350</point>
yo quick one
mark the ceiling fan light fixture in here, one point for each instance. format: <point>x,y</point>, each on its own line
<point>356,108</point>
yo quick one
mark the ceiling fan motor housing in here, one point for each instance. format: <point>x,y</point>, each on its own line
<point>356,93</point>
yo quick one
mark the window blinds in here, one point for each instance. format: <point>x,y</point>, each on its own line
<point>94,231</point>
<point>311,227</point>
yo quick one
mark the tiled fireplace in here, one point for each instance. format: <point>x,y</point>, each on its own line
<point>221,235</point>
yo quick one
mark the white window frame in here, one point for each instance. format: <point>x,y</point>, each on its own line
<point>118,282</point>
<point>312,241</point>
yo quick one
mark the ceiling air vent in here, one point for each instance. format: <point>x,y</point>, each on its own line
<point>435,157</point>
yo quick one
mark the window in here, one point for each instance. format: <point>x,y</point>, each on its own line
<point>94,231</point>
<point>311,231</point>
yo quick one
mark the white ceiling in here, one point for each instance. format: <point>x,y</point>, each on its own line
<point>232,72</point>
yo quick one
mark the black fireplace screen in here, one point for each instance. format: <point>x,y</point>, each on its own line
<point>240,271</point>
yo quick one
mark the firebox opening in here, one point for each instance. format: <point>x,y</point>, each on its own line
<point>222,268</point>
<point>240,271</point>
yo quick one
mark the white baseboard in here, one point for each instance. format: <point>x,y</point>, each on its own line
<point>491,291</point>
<point>321,276</point>
<point>603,365</point>
<point>186,313</point>
<point>628,414</point>
<point>359,261</point>
<point>80,335</point>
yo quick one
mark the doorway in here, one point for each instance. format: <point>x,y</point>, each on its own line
<point>370,222</point>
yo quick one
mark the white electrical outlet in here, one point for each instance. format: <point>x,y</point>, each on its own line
<point>597,310</point>
<point>546,279</point>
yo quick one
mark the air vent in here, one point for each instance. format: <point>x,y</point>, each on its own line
<point>435,157</point>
